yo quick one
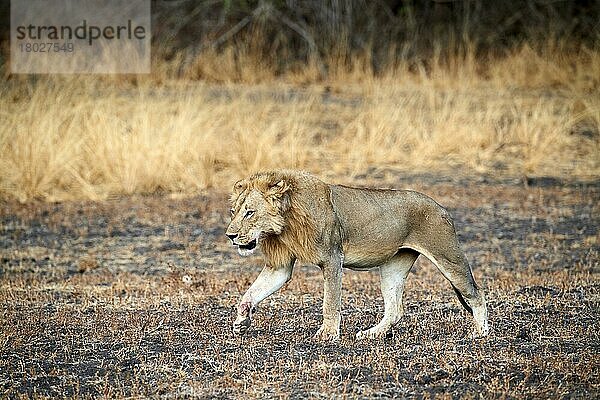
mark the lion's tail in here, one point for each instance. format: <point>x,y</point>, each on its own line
<point>462,300</point>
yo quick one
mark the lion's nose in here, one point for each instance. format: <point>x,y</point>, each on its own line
<point>231,236</point>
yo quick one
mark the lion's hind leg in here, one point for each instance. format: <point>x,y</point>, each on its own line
<point>393,275</point>
<point>454,266</point>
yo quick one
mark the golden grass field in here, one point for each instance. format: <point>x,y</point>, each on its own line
<point>528,113</point>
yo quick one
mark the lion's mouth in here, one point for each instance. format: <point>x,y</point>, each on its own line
<point>249,246</point>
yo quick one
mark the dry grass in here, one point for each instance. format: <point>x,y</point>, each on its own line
<point>135,298</point>
<point>528,113</point>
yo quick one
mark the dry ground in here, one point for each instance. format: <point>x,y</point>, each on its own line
<point>135,297</point>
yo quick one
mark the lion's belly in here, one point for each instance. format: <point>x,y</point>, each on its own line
<point>361,258</point>
<point>358,262</point>
<point>368,247</point>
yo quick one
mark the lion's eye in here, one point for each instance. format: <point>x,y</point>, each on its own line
<point>249,213</point>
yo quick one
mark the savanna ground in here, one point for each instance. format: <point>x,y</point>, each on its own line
<point>116,279</point>
<point>136,296</point>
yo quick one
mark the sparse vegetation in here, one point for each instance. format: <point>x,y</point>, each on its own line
<point>135,297</point>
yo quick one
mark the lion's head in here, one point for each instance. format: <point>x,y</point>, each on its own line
<point>258,205</point>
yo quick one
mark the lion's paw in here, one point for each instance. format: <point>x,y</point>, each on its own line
<point>482,327</point>
<point>241,325</point>
<point>480,332</point>
<point>327,334</point>
<point>373,333</point>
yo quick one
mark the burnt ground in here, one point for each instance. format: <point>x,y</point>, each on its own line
<point>135,297</point>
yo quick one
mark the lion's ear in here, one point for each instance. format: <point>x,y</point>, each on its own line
<point>279,194</point>
<point>239,186</point>
<point>278,189</point>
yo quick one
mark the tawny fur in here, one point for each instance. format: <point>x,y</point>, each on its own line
<point>296,216</point>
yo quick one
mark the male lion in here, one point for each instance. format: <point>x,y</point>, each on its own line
<point>295,216</point>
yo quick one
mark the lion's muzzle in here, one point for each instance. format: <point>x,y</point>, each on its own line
<point>245,245</point>
<point>231,236</point>
<point>250,245</point>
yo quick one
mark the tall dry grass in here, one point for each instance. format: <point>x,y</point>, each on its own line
<point>526,113</point>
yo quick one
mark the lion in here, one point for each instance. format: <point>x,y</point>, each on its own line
<point>294,216</point>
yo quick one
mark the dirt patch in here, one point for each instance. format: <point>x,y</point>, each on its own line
<point>136,296</point>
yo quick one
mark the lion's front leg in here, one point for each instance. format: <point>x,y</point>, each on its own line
<point>332,299</point>
<point>268,281</point>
